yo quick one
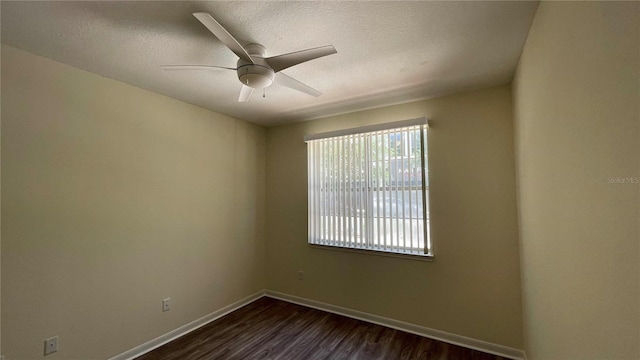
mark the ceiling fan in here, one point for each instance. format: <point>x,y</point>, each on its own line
<point>255,71</point>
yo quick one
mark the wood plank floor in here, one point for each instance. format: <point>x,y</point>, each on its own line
<point>273,329</point>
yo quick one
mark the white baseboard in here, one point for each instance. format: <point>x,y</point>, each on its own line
<point>450,338</point>
<point>182,330</point>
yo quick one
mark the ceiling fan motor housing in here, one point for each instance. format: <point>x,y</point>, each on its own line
<point>259,74</point>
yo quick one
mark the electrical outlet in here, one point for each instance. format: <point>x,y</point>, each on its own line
<point>166,304</point>
<point>51,345</point>
<point>300,275</point>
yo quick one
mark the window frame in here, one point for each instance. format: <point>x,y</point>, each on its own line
<point>369,243</point>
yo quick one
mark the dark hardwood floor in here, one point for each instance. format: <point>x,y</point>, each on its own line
<point>274,329</point>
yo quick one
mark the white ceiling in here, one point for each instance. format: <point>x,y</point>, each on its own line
<point>388,51</point>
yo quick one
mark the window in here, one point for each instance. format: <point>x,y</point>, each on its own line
<point>368,188</point>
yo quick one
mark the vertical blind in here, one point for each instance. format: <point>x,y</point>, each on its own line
<point>368,188</point>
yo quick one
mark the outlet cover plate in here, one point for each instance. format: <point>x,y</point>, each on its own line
<point>51,345</point>
<point>166,304</point>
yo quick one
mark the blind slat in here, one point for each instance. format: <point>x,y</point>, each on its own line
<point>424,184</point>
<point>410,166</point>
<point>386,169</point>
<point>396,176</point>
<point>360,205</point>
<point>349,193</point>
<point>334,192</point>
<point>312,203</point>
<point>318,195</point>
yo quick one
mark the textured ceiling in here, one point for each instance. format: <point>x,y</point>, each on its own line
<point>388,52</point>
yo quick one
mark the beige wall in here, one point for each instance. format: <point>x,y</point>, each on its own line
<point>577,111</point>
<point>0,207</point>
<point>473,286</point>
<point>114,198</point>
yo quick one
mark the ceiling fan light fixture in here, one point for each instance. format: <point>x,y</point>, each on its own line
<point>255,76</point>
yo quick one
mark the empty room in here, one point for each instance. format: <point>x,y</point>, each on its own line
<point>320,180</point>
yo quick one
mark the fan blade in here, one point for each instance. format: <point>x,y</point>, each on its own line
<point>245,93</point>
<point>193,67</point>
<point>288,81</point>
<point>281,62</point>
<point>223,35</point>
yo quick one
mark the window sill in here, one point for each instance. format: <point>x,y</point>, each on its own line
<point>418,257</point>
